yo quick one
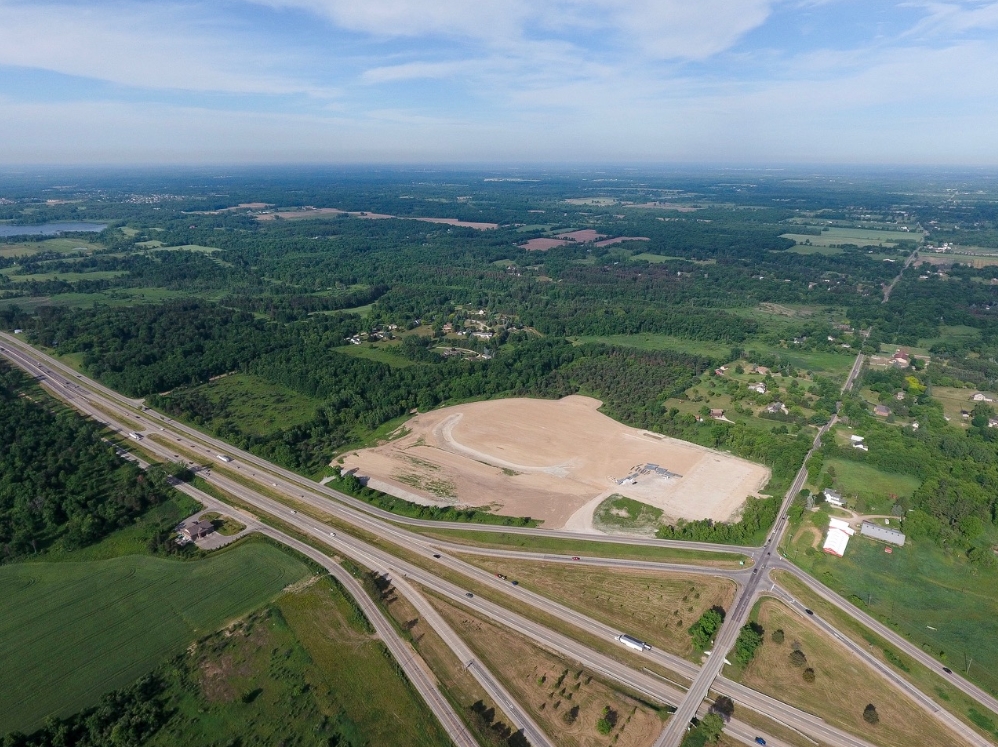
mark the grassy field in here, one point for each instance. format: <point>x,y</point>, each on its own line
<point>533,542</point>
<point>656,607</point>
<point>871,486</point>
<point>381,352</point>
<point>858,236</point>
<point>69,277</point>
<point>258,406</point>
<point>59,245</point>
<point>620,514</point>
<point>306,670</point>
<point>842,688</point>
<point>932,596</point>
<point>653,258</point>
<point>72,631</point>
<point>927,680</point>
<point>564,698</point>
<point>652,341</point>
<point>956,400</point>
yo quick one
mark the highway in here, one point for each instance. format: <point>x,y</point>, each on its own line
<point>675,730</point>
<point>86,396</point>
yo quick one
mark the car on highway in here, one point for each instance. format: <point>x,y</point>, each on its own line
<point>500,576</point>
<point>515,583</point>
<point>947,670</point>
<point>760,740</point>
<point>468,594</point>
<point>436,555</point>
<point>576,557</point>
<point>808,611</point>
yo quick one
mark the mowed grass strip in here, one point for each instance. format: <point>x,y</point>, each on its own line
<point>654,606</point>
<point>539,543</point>
<point>925,679</point>
<point>72,631</point>
<point>842,688</point>
<point>563,697</point>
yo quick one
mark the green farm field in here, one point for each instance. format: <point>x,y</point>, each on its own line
<point>75,630</point>
<point>857,236</point>
<point>69,277</point>
<point>933,597</point>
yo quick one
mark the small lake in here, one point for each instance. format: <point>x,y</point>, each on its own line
<point>50,229</point>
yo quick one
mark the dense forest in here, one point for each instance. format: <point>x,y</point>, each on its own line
<point>59,481</point>
<point>183,288</point>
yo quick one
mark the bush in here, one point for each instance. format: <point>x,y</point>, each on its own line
<point>797,658</point>
<point>809,675</point>
<point>778,635</point>
<point>870,714</point>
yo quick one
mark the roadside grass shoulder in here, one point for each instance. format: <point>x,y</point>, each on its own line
<point>73,631</point>
<point>928,681</point>
<point>539,543</point>
<point>657,607</point>
<point>842,687</point>
<point>931,595</point>
<point>563,697</point>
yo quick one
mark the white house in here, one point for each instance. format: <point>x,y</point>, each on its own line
<point>758,387</point>
<point>834,498</point>
<point>857,439</point>
<point>981,397</point>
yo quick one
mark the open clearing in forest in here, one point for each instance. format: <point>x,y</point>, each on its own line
<point>72,631</point>
<point>842,688</point>
<point>553,460</point>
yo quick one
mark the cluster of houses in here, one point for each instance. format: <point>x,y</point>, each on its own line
<point>376,334</point>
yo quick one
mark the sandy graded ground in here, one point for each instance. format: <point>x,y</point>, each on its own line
<point>553,460</point>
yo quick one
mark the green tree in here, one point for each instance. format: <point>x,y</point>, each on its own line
<point>749,639</point>
<point>870,714</point>
<point>704,629</point>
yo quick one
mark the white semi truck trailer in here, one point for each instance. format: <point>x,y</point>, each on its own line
<point>632,642</point>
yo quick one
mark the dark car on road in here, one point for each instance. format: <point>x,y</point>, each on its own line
<point>760,740</point>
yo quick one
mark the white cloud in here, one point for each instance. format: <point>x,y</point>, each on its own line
<point>162,46</point>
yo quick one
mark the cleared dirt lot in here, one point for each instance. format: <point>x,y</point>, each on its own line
<point>553,460</point>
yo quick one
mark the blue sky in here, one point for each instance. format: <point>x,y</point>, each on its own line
<point>587,81</point>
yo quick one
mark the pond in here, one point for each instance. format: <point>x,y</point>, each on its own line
<point>50,229</point>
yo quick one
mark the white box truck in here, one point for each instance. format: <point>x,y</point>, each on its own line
<point>632,642</point>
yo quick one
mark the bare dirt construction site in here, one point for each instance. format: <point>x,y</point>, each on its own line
<point>552,460</point>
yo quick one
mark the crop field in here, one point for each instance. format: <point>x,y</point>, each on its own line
<point>257,405</point>
<point>857,236</point>
<point>73,631</point>
<point>842,688</point>
<point>656,607</point>
<point>553,460</point>
<point>565,699</point>
<point>935,599</point>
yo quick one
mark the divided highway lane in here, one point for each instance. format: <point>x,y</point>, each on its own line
<point>73,387</point>
<point>887,634</point>
<point>785,714</point>
<point>43,364</point>
<point>520,718</point>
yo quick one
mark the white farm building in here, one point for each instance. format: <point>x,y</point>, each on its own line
<point>839,533</point>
